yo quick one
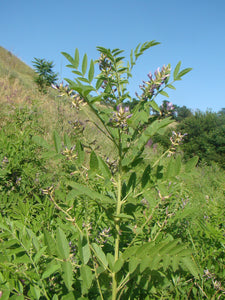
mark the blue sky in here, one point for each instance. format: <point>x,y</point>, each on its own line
<point>190,31</point>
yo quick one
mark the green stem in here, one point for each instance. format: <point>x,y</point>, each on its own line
<point>117,220</point>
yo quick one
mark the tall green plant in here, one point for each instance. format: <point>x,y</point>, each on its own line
<point>112,236</point>
<point>132,252</point>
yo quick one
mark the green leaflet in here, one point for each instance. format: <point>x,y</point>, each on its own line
<point>91,72</point>
<point>35,291</point>
<point>76,59</point>
<point>174,167</point>
<point>100,255</point>
<point>118,264</point>
<point>93,161</point>
<point>62,244</point>
<point>164,94</point>
<point>146,176</point>
<point>103,167</point>
<point>183,72</point>
<point>84,64</point>
<point>49,242</point>
<point>57,142</point>
<point>86,278</point>
<point>80,153</point>
<point>41,142</point>
<point>191,266</point>
<point>67,274</point>
<point>67,141</point>
<point>51,268</point>
<point>68,57</point>
<point>190,165</point>
<point>84,190</point>
<point>176,70</point>
<point>84,249</point>
<point>154,105</point>
<point>39,254</point>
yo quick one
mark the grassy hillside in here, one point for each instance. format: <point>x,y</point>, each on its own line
<point>20,100</point>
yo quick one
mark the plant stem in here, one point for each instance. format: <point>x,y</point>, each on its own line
<point>117,220</point>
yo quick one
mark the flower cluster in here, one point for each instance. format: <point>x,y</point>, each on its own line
<point>121,116</point>
<point>166,108</point>
<point>151,86</point>
<point>176,139</point>
<point>69,153</point>
<point>103,236</point>
<point>77,100</point>
<point>48,191</point>
<point>105,64</point>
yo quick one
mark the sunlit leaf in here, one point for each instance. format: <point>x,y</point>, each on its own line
<point>84,64</point>
<point>76,59</point>
<point>91,71</point>
<point>62,244</point>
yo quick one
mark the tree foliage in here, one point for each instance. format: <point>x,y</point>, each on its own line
<point>44,73</point>
<point>205,136</point>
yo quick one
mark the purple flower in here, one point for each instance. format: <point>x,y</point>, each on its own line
<point>169,106</point>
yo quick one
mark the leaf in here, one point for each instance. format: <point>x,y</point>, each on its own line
<point>67,141</point>
<point>124,216</point>
<point>76,72</point>
<point>41,142</point>
<point>80,153</point>
<point>84,64</point>
<point>154,105</point>
<point>164,94</point>
<point>82,79</point>
<point>146,176</point>
<point>62,244</point>
<point>69,296</point>
<point>86,277</point>
<point>76,59</point>
<point>174,166</point>
<point>133,264</point>
<point>84,190</point>
<point>35,291</point>
<point>191,266</point>
<point>93,161</point>
<point>100,255</point>
<point>98,83</point>
<point>190,165</point>
<point>50,243</point>
<point>132,181</point>
<point>110,259</point>
<point>68,57</point>
<point>118,264</point>
<point>67,274</point>
<point>86,253</point>
<point>57,141</point>
<point>39,254</point>
<point>183,72</point>
<point>50,269</point>
<point>104,168</point>
<point>171,86</point>
<point>176,70</point>
<point>91,71</point>
<point>17,297</point>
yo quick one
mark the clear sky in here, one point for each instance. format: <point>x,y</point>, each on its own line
<point>192,31</point>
